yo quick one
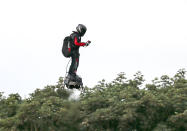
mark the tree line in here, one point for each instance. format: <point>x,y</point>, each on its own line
<point>121,105</point>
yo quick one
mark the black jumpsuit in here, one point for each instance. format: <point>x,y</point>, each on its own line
<point>76,43</point>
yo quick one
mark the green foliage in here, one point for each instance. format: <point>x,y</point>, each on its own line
<point>122,105</point>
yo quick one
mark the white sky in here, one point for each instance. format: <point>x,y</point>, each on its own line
<point>127,36</point>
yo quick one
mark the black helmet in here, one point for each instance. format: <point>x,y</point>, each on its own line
<point>81,29</point>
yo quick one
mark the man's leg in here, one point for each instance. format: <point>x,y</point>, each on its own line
<point>74,64</point>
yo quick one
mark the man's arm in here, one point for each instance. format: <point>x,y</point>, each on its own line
<point>77,43</point>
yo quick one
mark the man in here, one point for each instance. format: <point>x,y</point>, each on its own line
<point>75,45</point>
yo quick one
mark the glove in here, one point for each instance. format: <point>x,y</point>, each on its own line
<point>87,43</point>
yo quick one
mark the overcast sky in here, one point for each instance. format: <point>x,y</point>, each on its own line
<point>127,36</point>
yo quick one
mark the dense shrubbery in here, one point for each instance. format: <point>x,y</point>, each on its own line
<point>117,106</point>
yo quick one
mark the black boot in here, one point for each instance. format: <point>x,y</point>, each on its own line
<point>78,78</point>
<point>72,77</point>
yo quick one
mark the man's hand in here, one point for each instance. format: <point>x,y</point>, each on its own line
<point>87,43</point>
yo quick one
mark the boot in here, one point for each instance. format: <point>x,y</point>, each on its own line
<point>72,77</point>
<point>78,78</point>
